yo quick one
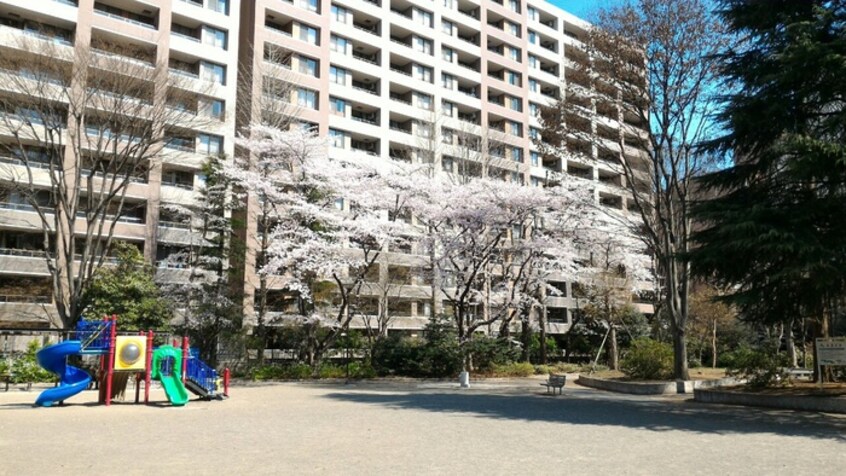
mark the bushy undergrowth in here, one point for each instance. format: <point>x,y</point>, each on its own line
<point>648,359</point>
<point>515,369</point>
<point>760,367</point>
<point>298,371</point>
<point>24,367</point>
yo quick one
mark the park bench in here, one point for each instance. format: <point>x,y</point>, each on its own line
<point>800,373</point>
<point>555,381</point>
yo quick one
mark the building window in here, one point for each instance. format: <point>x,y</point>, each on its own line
<point>517,154</point>
<point>447,54</point>
<point>339,106</point>
<point>308,34</point>
<point>423,45</point>
<point>516,177</point>
<point>514,5</point>
<point>514,53</point>
<point>447,81</point>
<point>448,108</point>
<point>339,14</point>
<point>533,13</point>
<point>424,101</point>
<point>212,107</point>
<point>533,61</point>
<point>339,204</point>
<point>337,138</point>
<point>308,66</point>
<point>516,104</point>
<point>213,72</point>
<point>514,29</point>
<point>447,26</point>
<point>209,144</point>
<point>214,37</point>
<point>512,78</point>
<point>220,6</point>
<point>536,182</point>
<point>307,98</point>
<point>516,128</point>
<point>533,85</point>
<point>423,73</point>
<point>533,37</point>
<point>534,133</point>
<point>422,17</point>
<point>310,5</point>
<point>535,159</point>
<point>534,109</point>
<point>338,44</point>
<point>447,164</point>
<point>338,75</point>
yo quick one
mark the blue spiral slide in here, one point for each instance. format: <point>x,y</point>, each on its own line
<point>72,380</point>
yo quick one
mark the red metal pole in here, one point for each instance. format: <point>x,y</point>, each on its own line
<point>148,366</point>
<point>226,382</point>
<point>184,357</point>
<point>138,376</point>
<point>111,370</point>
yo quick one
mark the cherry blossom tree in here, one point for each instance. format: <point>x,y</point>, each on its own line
<point>493,242</point>
<point>331,221</point>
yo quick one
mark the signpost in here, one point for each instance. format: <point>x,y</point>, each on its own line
<point>830,351</point>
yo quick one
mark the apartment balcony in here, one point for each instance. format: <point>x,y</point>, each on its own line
<point>138,14</point>
<point>23,261</point>
<point>31,29</point>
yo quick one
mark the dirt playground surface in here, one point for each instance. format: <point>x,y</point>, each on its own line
<point>413,428</point>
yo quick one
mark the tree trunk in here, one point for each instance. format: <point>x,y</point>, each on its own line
<point>613,351</point>
<point>542,325</point>
<point>526,339</point>
<point>791,346</point>
<point>714,345</point>
<point>680,369</point>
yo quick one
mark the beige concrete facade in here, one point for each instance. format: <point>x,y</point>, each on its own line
<point>395,79</point>
<point>191,37</point>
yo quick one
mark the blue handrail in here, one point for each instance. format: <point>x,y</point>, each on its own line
<point>94,335</point>
<point>201,374</point>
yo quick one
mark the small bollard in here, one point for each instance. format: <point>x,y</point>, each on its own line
<point>464,379</point>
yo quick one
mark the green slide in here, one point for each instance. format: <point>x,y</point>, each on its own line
<point>167,369</point>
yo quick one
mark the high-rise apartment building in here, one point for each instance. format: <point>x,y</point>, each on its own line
<point>195,41</point>
<point>407,80</point>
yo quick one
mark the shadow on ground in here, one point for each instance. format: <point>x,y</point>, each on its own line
<point>602,410</point>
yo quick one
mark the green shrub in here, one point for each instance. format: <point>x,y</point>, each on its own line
<point>332,371</point>
<point>398,356</point>
<point>535,348</point>
<point>281,372</point>
<point>544,369</point>
<point>648,359</point>
<point>26,369</point>
<point>489,353</point>
<point>514,369</point>
<point>761,367</point>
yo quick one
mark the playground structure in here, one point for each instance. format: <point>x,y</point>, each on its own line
<point>178,369</point>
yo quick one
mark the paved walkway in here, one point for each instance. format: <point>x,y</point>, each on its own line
<point>415,428</point>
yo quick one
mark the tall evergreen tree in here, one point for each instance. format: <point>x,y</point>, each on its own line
<point>773,230</point>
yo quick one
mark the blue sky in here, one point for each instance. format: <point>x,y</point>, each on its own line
<point>584,8</point>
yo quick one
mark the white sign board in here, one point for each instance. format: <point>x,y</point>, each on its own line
<point>831,351</point>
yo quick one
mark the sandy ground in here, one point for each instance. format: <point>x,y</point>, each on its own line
<point>414,428</point>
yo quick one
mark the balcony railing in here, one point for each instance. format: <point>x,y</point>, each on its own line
<point>187,37</point>
<point>24,299</point>
<point>22,253</point>
<point>174,224</point>
<point>184,186</point>
<point>125,19</point>
<point>182,72</point>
